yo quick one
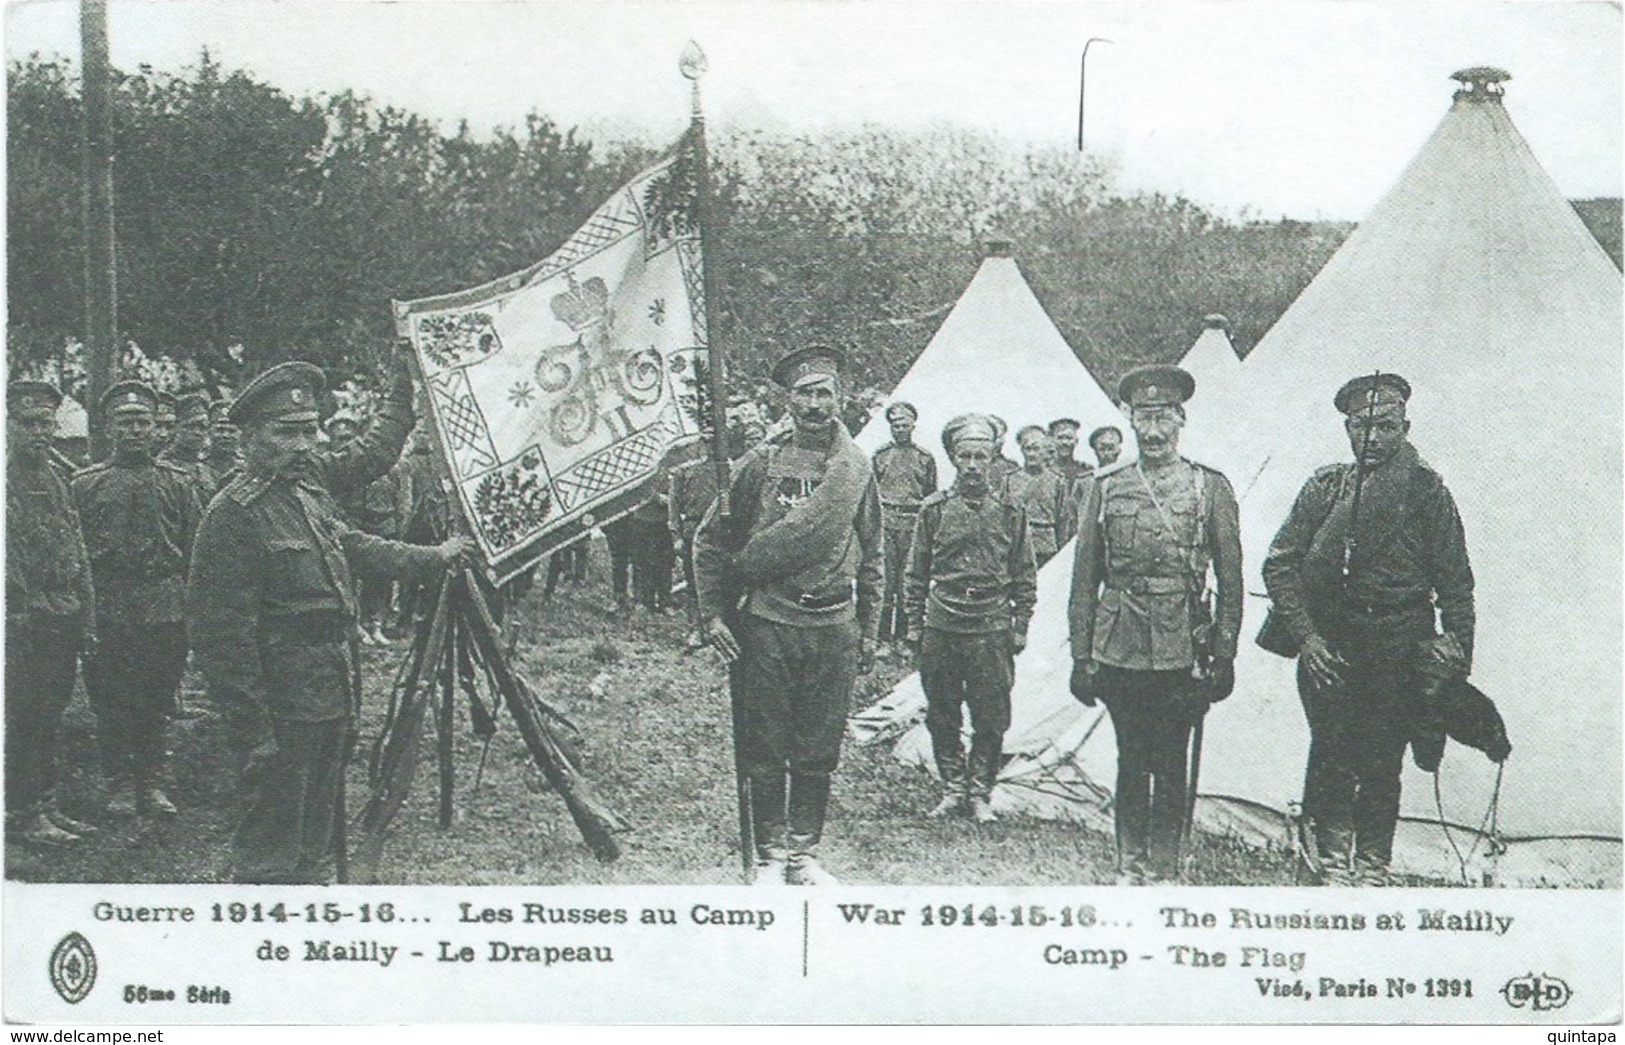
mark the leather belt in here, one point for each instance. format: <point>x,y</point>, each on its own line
<point>1150,585</point>
<point>968,591</point>
<point>308,629</point>
<point>812,601</point>
<point>900,509</point>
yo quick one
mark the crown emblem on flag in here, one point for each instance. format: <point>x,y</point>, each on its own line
<point>583,305</point>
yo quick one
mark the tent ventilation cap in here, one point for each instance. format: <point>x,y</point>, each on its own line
<point>1216,321</point>
<point>998,248</point>
<point>1481,83</point>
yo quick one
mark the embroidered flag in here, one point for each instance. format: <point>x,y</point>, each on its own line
<point>557,391</point>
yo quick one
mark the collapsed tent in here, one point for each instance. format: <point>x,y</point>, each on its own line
<point>1475,280</point>
<point>997,352</point>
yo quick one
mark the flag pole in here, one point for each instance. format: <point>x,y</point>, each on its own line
<point>693,66</point>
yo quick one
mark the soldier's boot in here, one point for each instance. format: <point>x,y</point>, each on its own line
<point>809,800</point>
<point>984,771</point>
<point>153,802</point>
<point>1337,855</point>
<point>955,797</point>
<point>768,827</point>
<point>37,829</point>
<point>55,815</point>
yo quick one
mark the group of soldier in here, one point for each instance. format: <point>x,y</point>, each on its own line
<point>251,565</point>
<point>227,545</point>
<point>823,554</point>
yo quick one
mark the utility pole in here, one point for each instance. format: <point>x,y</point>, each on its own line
<point>101,272</point>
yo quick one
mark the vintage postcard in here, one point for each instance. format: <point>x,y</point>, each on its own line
<point>870,512</point>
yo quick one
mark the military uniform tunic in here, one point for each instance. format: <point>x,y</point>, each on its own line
<point>1045,497</point>
<point>49,606</point>
<point>273,608</point>
<point>905,475</point>
<point>139,520</point>
<point>1409,574</point>
<point>1146,540</point>
<point>971,582</point>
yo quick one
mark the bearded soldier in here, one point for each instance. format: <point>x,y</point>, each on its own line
<point>50,614</point>
<point>905,475</point>
<point>969,594</point>
<point>139,517</point>
<point>789,583</point>
<point>273,611</point>
<point>1361,600</point>
<point>1142,640</point>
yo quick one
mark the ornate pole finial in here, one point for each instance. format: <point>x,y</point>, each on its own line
<point>692,65</point>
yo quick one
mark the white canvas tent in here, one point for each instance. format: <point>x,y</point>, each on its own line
<point>72,422</point>
<point>1475,280</point>
<point>1218,430</point>
<point>997,352</point>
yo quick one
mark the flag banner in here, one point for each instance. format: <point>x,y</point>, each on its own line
<point>557,391</point>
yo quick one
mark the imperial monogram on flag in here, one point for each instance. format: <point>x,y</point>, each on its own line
<point>557,391</point>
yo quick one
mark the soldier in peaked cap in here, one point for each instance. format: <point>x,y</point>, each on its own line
<point>1144,641</point>
<point>163,422</point>
<point>273,614</point>
<point>50,614</point>
<point>905,475</point>
<point>789,584</point>
<point>969,593</point>
<point>190,447</point>
<point>139,516</point>
<point>223,457</point>
<point>1361,603</point>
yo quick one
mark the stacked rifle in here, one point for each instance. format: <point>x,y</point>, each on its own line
<point>457,648</point>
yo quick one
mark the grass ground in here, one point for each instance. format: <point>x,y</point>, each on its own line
<point>655,727</point>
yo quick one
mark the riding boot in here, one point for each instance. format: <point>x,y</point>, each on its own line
<point>955,797</point>
<point>768,827</point>
<point>809,800</point>
<point>984,772</point>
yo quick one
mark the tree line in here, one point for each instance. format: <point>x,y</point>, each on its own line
<point>254,226</point>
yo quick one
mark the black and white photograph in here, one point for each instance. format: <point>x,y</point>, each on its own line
<point>1045,469</point>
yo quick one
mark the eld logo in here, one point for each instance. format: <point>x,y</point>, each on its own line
<point>73,968</point>
<point>1536,992</point>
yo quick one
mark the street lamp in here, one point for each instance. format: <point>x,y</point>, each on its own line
<point>1083,72</point>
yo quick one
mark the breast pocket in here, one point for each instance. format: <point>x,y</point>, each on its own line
<point>1123,528</point>
<point>297,570</point>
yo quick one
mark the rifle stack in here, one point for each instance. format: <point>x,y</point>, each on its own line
<point>457,648</point>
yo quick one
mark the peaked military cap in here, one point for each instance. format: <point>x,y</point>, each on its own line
<point>167,403</point>
<point>220,410</point>
<point>967,426</point>
<point>32,395</point>
<point>1065,422</point>
<point>191,405</point>
<point>127,396</point>
<point>342,419</point>
<point>1156,385</point>
<point>1372,391</point>
<point>813,363</point>
<point>901,407</point>
<point>286,392</point>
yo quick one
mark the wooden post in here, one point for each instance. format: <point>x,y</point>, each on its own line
<point>101,272</point>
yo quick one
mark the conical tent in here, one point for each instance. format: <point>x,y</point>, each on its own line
<point>1474,279</point>
<point>1218,430</point>
<point>997,352</point>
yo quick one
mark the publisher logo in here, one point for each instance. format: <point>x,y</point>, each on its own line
<point>1539,993</point>
<point>73,968</point>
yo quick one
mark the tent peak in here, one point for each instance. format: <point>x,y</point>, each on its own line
<point>998,248</point>
<point>1480,83</point>
<point>1216,321</point>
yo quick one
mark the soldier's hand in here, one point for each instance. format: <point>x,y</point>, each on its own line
<point>1322,664</point>
<point>1083,682</point>
<point>1221,679</point>
<point>722,640</point>
<point>455,548</point>
<point>1018,642</point>
<point>866,656</point>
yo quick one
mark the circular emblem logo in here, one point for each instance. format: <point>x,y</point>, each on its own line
<point>73,968</point>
